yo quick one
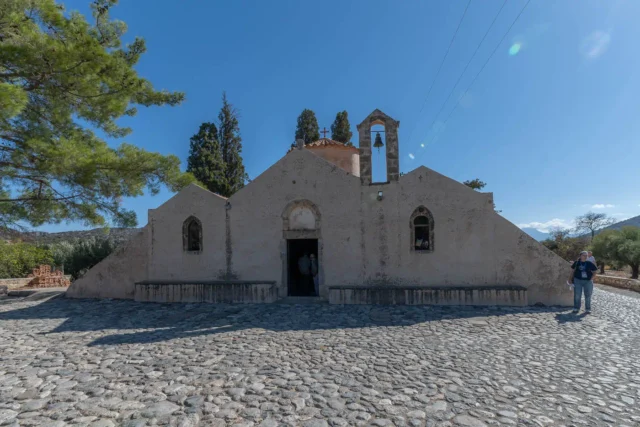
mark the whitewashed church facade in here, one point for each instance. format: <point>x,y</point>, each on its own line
<point>419,238</point>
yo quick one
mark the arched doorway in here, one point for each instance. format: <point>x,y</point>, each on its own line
<point>301,231</point>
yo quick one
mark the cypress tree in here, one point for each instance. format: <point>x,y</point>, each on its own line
<point>307,128</point>
<point>205,159</point>
<point>341,129</point>
<point>231,148</point>
<point>215,153</point>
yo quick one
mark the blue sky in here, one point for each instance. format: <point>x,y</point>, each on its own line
<point>551,124</point>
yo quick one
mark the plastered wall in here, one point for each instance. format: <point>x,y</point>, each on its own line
<point>363,239</point>
<point>114,276</point>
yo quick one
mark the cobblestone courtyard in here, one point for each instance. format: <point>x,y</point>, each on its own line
<point>106,363</point>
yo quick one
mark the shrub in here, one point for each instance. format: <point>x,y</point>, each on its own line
<point>19,259</point>
<point>620,246</point>
<point>76,257</point>
<point>568,248</point>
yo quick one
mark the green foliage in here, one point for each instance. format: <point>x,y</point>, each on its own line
<point>231,148</point>
<point>341,129</point>
<point>61,78</point>
<point>476,184</point>
<point>566,247</point>
<point>78,256</point>
<point>205,158</point>
<point>620,246</point>
<point>307,128</point>
<point>215,153</point>
<point>19,259</point>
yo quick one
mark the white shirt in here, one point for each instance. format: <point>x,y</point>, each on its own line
<point>592,259</point>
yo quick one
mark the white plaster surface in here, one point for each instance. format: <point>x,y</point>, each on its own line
<point>361,240</point>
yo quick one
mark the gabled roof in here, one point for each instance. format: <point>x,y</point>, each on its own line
<point>190,192</point>
<point>294,159</point>
<point>326,142</point>
<point>377,117</point>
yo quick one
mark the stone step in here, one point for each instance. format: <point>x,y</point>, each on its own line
<point>215,291</point>
<point>430,295</point>
<point>302,300</point>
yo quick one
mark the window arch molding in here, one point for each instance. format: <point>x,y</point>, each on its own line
<point>289,233</point>
<point>421,227</point>
<point>192,235</point>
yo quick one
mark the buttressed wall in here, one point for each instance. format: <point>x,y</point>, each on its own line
<point>365,238</point>
<point>115,275</point>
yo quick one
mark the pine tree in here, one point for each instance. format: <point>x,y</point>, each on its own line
<point>230,148</point>
<point>308,128</point>
<point>205,158</point>
<point>65,82</point>
<point>341,129</point>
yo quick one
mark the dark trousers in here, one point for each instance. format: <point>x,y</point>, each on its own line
<point>306,284</point>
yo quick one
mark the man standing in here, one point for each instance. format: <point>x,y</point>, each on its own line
<point>591,258</point>
<point>583,273</point>
<point>304,266</point>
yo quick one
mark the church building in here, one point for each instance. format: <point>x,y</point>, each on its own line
<point>316,225</point>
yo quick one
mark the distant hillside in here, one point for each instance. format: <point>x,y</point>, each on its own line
<point>119,235</point>
<point>538,235</point>
<point>631,222</point>
<point>635,221</point>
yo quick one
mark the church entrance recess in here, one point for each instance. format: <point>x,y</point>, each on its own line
<point>299,285</point>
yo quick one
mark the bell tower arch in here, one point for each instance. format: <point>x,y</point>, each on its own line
<point>391,126</point>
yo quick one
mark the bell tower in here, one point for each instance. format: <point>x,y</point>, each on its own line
<point>364,139</point>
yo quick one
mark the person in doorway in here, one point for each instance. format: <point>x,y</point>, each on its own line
<point>304,266</point>
<point>583,273</point>
<point>314,274</point>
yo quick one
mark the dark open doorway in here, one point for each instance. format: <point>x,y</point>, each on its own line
<point>300,285</point>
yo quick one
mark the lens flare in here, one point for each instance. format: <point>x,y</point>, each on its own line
<point>515,48</point>
<point>422,145</point>
<point>411,156</point>
<point>595,44</point>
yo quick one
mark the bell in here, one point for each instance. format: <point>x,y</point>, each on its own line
<point>378,143</point>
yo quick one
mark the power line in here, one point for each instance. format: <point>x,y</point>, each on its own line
<point>467,66</point>
<point>443,59</point>
<point>488,59</point>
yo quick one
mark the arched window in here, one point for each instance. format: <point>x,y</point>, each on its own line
<point>421,224</point>
<point>192,235</point>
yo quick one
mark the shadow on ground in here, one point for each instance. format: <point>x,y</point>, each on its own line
<point>569,317</point>
<point>135,322</point>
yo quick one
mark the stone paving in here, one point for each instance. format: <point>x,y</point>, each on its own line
<point>106,363</point>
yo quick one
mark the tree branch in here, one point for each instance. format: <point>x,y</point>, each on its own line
<point>31,199</point>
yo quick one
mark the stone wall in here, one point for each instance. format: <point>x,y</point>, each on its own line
<point>15,283</point>
<point>619,282</point>
<point>230,292</point>
<point>364,238</point>
<point>515,296</point>
<point>364,233</point>
<point>44,277</point>
<point>21,282</point>
<point>167,258</point>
